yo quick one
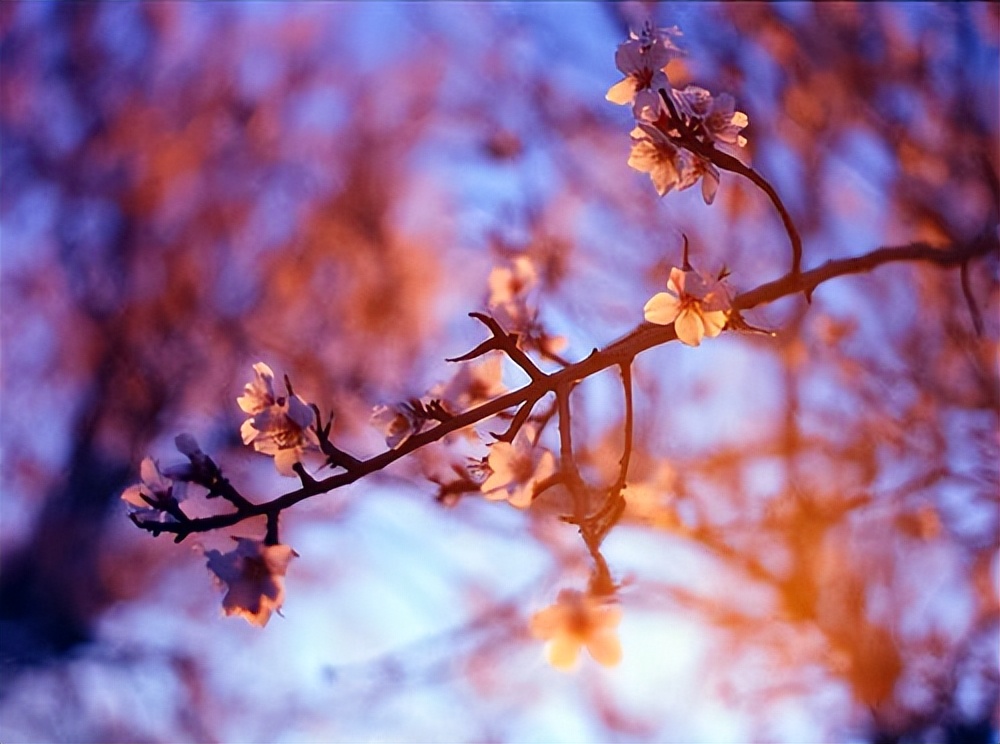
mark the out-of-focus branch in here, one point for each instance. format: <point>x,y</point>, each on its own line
<point>970,300</point>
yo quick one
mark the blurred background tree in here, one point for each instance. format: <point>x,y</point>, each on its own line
<point>810,546</point>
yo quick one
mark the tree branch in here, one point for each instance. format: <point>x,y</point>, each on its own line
<point>643,337</point>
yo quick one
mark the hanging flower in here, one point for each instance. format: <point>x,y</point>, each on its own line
<point>255,576</point>
<point>669,166</point>
<point>516,469</point>
<point>697,306</point>
<point>279,426</point>
<point>575,621</point>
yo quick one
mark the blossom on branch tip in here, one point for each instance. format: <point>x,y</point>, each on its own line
<point>255,576</point>
<point>279,426</point>
<point>578,620</point>
<point>515,469</point>
<point>642,59</point>
<point>154,493</point>
<point>697,306</point>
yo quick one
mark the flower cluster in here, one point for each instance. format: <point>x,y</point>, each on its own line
<point>674,138</point>
<point>161,490</point>
<point>279,426</point>
<point>698,306</point>
<point>577,620</point>
<point>675,129</point>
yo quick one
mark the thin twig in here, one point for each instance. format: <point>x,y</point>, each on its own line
<point>626,370</point>
<point>571,475</point>
<point>970,300</point>
<point>689,141</point>
<point>501,341</point>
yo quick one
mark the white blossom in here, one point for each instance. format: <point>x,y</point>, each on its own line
<point>696,305</point>
<point>279,426</point>
<point>474,383</point>
<point>642,60</point>
<point>669,166</point>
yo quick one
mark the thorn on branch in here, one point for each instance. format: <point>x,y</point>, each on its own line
<point>517,422</point>
<point>489,344</point>
<point>335,456</point>
<point>501,341</point>
<point>737,322</point>
<point>436,411</point>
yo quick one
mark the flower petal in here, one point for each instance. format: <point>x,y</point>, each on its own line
<point>605,648</point>
<point>546,467</point>
<point>621,92</point>
<point>563,650</point>
<point>689,328</point>
<point>661,309</point>
<point>714,321</point>
<point>247,431</point>
<point>284,459</point>
<point>133,495</point>
<point>522,496</point>
<point>300,412</point>
<point>546,623</point>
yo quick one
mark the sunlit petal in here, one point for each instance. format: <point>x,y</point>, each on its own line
<point>689,328</point>
<point>563,651</point>
<point>605,648</point>
<point>661,309</point>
